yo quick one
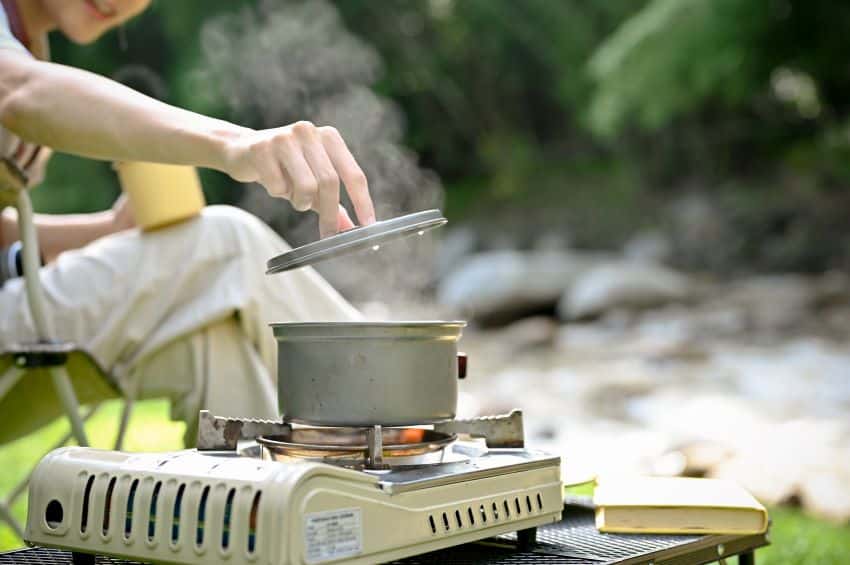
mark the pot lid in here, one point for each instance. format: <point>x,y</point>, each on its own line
<point>356,239</point>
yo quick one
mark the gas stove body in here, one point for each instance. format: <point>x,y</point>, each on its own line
<point>209,507</point>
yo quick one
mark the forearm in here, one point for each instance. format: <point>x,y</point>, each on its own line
<point>83,113</point>
<point>58,233</point>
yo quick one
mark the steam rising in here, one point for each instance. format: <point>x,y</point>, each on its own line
<point>291,60</point>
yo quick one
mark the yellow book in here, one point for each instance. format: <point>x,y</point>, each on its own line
<point>665,505</point>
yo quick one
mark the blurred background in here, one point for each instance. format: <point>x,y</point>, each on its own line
<point>647,200</point>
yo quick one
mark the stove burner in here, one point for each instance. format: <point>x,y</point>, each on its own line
<point>350,446</point>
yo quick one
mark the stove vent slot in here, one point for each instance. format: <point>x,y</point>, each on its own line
<point>54,514</point>
<point>252,522</point>
<point>202,512</point>
<point>107,505</point>
<point>499,510</point>
<point>84,519</point>
<point>152,514</point>
<point>445,519</point>
<point>128,517</point>
<point>228,512</point>
<point>178,507</point>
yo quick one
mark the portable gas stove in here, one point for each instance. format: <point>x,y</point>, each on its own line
<point>268,492</point>
<point>280,493</point>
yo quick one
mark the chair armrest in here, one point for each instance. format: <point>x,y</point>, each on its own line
<point>12,181</point>
<point>42,354</point>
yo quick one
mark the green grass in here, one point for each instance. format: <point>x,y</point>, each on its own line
<point>796,538</point>
<point>150,430</point>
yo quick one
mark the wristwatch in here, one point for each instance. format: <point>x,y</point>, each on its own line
<point>11,262</point>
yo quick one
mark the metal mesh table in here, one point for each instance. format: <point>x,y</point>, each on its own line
<point>572,541</point>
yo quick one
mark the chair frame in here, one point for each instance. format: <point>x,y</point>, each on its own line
<point>58,372</point>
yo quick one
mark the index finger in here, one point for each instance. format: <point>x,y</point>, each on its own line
<point>350,173</point>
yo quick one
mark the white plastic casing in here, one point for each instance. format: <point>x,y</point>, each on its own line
<point>187,507</point>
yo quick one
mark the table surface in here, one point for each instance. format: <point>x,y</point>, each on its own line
<point>574,540</point>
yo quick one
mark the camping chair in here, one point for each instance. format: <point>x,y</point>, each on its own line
<point>49,378</point>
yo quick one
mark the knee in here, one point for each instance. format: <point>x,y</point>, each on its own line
<point>238,227</point>
<point>221,216</point>
<point>233,222</point>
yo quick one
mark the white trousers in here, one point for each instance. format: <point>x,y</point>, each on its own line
<point>182,312</point>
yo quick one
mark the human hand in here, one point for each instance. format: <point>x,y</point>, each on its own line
<point>122,214</point>
<point>304,164</point>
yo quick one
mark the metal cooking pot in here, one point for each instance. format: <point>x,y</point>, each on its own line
<point>368,373</point>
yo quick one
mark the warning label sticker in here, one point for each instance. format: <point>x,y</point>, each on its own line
<point>333,535</point>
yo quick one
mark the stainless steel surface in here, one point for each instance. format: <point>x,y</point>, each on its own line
<point>370,448</point>
<point>498,431</point>
<point>490,464</point>
<point>375,448</point>
<point>367,373</point>
<point>356,239</point>
<point>222,434</point>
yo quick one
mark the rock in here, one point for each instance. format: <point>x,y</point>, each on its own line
<point>609,399</point>
<point>552,241</point>
<point>827,495</point>
<point>702,456</point>
<point>795,379</point>
<point>455,244</point>
<point>649,247</point>
<point>833,289</point>
<point>837,321</point>
<point>758,297</point>
<point>791,458</point>
<point>696,218</point>
<point>621,285</point>
<point>529,333</point>
<point>500,286</point>
<point>765,477</point>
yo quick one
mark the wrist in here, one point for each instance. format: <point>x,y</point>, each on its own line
<point>223,140</point>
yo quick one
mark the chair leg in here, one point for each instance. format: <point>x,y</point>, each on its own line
<point>19,489</point>
<point>68,398</point>
<point>38,311</point>
<point>9,379</point>
<point>6,516</point>
<point>126,411</point>
<point>32,264</point>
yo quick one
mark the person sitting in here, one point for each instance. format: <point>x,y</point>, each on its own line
<point>182,311</point>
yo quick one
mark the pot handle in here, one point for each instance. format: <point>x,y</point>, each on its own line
<point>461,365</point>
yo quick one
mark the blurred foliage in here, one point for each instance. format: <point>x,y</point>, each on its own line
<point>566,116</point>
<point>673,55</point>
